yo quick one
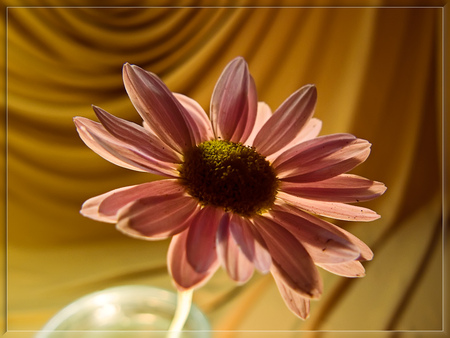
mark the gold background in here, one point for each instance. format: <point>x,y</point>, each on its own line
<point>379,76</point>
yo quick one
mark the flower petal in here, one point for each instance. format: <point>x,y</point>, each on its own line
<point>366,253</point>
<point>263,114</point>
<point>183,274</point>
<point>323,245</point>
<point>344,188</point>
<point>136,136</point>
<point>308,132</point>
<point>311,129</point>
<point>90,208</point>
<point>158,107</point>
<point>298,304</point>
<point>96,137</point>
<point>111,205</point>
<point>335,210</point>
<point>346,269</point>
<point>321,158</point>
<point>157,216</point>
<point>199,122</point>
<point>287,121</point>
<point>201,241</point>
<point>290,258</point>
<point>238,266</point>
<point>234,103</point>
<point>105,207</point>
<point>241,230</point>
<point>86,128</point>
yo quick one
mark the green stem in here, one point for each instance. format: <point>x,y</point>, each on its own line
<point>184,302</point>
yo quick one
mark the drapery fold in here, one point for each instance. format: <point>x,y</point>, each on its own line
<point>378,75</point>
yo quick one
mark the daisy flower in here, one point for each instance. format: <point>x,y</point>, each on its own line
<point>242,188</point>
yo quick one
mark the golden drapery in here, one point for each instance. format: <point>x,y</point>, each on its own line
<point>378,71</point>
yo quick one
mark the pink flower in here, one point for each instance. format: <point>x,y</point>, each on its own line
<point>241,187</point>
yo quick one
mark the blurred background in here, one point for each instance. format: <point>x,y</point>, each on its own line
<point>378,71</point>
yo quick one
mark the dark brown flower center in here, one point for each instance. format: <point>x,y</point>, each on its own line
<point>229,175</point>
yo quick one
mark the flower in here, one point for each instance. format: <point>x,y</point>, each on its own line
<point>242,188</point>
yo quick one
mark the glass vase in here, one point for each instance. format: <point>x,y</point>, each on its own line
<point>125,311</point>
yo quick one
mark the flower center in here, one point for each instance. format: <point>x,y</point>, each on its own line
<point>229,175</point>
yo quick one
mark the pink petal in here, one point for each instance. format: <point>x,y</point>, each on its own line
<point>366,253</point>
<point>298,304</point>
<point>323,245</point>
<point>158,107</point>
<point>201,241</point>
<point>344,188</point>
<point>111,205</point>
<point>335,210</point>
<point>345,269</point>
<point>238,266</point>
<point>198,121</point>
<point>262,260</point>
<point>105,207</point>
<point>308,132</point>
<point>290,258</point>
<point>321,158</point>
<point>157,216</point>
<point>183,274</point>
<point>241,230</point>
<point>86,128</point>
<point>287,121</point>
<point>136,136</point>
<point>263,114</point>
<point>95,136</point>
<point>233,103</point>
<point>90,208</point>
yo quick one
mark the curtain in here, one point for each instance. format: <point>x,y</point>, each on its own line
<point>378,72</point>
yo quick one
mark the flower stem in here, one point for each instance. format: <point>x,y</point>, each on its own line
<point>184,301</point>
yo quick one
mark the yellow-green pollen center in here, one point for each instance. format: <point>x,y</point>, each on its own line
<point>229,175</point>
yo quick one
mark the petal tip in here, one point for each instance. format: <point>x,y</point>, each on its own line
<point>127,69</point>
<point>97,110</point>
<point>238,63</point>
<point>312,89</point>
<point>315,293</point>
<point>381,188</point>
<point>239,59</point>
